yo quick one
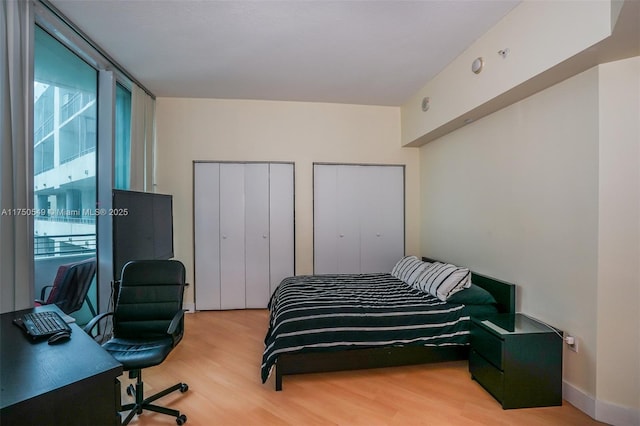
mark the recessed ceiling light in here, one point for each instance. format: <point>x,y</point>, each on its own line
<point>477,64</point>
<point>425,103</point>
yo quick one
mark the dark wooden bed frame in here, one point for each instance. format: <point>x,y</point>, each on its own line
<point>356,359</point>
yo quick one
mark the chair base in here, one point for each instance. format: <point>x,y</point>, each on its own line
<point>146,404</point>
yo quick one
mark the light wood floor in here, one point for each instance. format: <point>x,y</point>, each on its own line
<point>220,358</point>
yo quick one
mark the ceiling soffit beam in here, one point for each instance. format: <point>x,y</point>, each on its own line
<point>603,31</point>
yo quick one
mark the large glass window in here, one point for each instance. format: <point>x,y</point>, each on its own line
<point>65,138</point>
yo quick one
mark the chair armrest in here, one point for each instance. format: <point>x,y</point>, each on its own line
<point>173,326</point>
<point>94,321</point>
<point>43,291</point>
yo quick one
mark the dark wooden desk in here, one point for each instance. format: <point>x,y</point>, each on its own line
<point>72,383</point>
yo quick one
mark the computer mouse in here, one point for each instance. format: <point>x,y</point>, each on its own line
<point>60,337</point>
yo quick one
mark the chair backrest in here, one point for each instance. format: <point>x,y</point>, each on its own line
<point>149,296</point>
<point>71,285</point>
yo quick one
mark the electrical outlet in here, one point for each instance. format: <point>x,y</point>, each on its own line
<point>571,342</point>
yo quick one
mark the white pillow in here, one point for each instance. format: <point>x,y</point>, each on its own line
<point>408,269</point>
<point>443,279</point>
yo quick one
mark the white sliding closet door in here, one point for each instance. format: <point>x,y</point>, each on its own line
<point>281,234</point>
<point>256,224</point>
<point>336,219</point>
<point>325,219</point>
<point>358,218</point>
<point>206,189</point>
<point>243,232</point>
<point>232,230</point>
<point>348,202</point>
<point>382,228</point>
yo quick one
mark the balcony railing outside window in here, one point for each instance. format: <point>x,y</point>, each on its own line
<point>57,245</point>
<point>77,138</point>
<point>75,102</point>
<point>43,156</point>
<point>68,218</point>
<point>44,130</point>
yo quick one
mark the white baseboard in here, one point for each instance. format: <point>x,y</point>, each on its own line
<point>600,410</point>
<point>616,415</point>
<point>579,399</point>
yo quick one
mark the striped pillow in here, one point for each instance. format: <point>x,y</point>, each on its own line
<point>408,269</point>
<point>443,279</point>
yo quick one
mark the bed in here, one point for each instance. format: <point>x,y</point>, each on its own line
<point>322,323</point>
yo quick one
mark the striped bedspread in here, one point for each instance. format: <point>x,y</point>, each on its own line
<point>337,312</point>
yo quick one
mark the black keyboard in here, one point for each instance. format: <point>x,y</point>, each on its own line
<point>42,324</point>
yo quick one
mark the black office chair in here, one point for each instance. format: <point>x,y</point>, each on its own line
<point>148,322</point>
<point>70,287</point>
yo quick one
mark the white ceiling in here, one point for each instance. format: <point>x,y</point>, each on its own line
<point>357,51</point>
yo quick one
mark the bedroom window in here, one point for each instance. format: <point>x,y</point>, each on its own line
<point>64,158</point>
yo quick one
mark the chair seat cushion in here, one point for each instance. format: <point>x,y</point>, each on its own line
<point>134,354</point>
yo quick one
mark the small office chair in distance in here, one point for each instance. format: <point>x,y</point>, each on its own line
<point>70,287</point>
<point>148,322</point>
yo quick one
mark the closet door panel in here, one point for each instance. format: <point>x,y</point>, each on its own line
<point>256,192</point>
<point>207,235</point>
<point>358,218</point>
<point>325,219</point>
<point>281,223</point>
<point>243,232</point>
<point>382,224</point>
<point>348,202</point>
<point>232,236</point>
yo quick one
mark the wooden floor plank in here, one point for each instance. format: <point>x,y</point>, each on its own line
<point>220,358</point>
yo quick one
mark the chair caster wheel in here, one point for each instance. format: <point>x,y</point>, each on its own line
<point>184,387</point>
<point>181,419</point>
<point>130,390</point>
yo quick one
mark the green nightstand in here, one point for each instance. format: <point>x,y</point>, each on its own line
<point>517,360</point>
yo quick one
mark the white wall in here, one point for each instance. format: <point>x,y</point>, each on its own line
<point>619,238</point>
<point>238,130</point>
<point>517,195</point>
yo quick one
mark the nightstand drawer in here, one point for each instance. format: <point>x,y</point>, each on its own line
<point>488,345</point>
<point>487,375</point>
